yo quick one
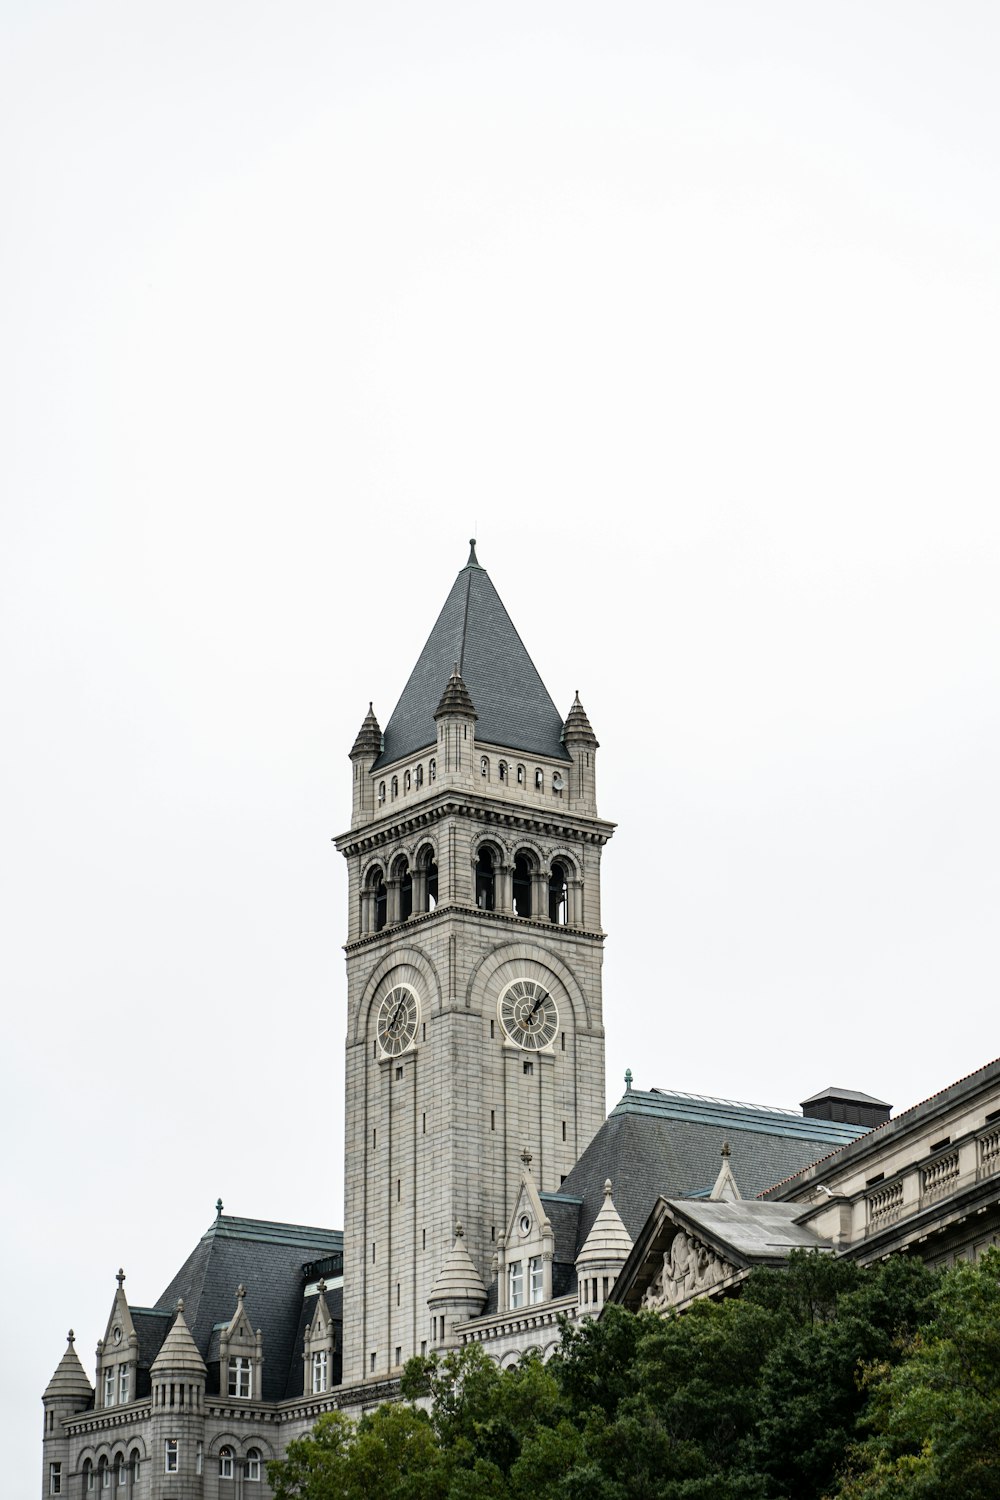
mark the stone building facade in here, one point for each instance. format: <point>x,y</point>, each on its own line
<point>486,1195</point>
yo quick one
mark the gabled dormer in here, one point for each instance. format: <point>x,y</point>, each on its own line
<point>241,1354</point>
<point>118,1353</point>
<point>524,1251</point>
<point>319,1348</point>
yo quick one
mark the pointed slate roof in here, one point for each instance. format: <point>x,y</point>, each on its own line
<point>455,698</point>
<point>577,726</point>
<point>608,1240</point>
<point>179,1353</point>
<point>476,632</point>
<point>369,738</point>
<point>69,1381</point>
<point>458,1280</point>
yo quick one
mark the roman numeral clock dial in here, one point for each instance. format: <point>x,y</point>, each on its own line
<point>398,1018</point>
<point>528,1014</point>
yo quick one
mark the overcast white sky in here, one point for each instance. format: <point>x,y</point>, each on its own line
<point>690,313</point>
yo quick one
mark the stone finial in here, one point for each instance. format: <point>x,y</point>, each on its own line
<point>527,1157</point>
<point>628,1080</point>
<point>321,1285</point>
<point>241,1292</point>
<point>180,1304</point>
<point>607,1187</point>
<point>459,1231</point>
<point>71,1338</point>
<point>218,1208</point>
<point>120,1278</point>
<point>473,559</point>
<point>726,1152</point>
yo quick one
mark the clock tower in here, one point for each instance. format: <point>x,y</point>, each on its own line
<point>474,1020</point>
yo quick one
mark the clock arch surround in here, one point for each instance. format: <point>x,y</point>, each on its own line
<point>527,961</point>
<point>407,965</point>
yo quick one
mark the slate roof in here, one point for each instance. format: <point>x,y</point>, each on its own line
<point>475,632</point>
<point>662,1144</point>
<point>295,1374</point>
<point>268,1258</point>
<point>756,1232</point>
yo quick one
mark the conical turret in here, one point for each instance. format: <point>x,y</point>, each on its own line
<point>458,1293</point>
<point>179,1354</point>
<point>605,1250</point>
<point>580,742</point>
<point>364,752</point>
<point>577,728</point>
<point>455,698</point>
<point>69,1389</point>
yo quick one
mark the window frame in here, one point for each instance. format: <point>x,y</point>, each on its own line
<point>240,1365</point>
<point>320,1368</point>
<point>171,1450</point>
<point>251,1471</point>
<point>227,1462</point>
<point>536,1281</point>
<point>55,1477</point>
<point>515,1285</point>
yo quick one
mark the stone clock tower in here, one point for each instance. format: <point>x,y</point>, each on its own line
<point>474,1024</point>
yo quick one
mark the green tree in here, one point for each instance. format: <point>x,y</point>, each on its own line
<point>934,1417</point>
<point>391,1453</point>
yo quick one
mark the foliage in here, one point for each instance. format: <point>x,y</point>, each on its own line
<point>756,1398</point>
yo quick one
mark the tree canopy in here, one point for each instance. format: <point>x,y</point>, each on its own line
<point>822,1380</point>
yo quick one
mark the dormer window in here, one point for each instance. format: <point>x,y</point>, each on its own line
<point>123,1385</point>
<point>109,1386</point>
<point>240,1377</point>
<point>515,1274</point>
<point>320,1371</point>
<point>536,1283</point>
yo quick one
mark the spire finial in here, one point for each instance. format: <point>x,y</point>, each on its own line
<point>241,1292</point>
<point>628,1080</point>
<point>218,1208</point>
<point>726,1153</point>
<point>459,1231</point>
<point>71,1338</point>
<point>526,1157</point>
<point>473,559</point>
<point>607,1187</point>
<point>321,1285</point>
<point>180,1304</point>
<point>120,1278</point>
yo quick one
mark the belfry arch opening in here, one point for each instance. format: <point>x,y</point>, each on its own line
<point>521,885</point>
<point>486,881</point>
<point>403,877</point>
<point>427,872</point>
<point>558,894</point>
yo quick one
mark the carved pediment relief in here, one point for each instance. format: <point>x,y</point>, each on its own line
<point>689,1267</point>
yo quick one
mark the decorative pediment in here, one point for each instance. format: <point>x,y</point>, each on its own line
<point>120,1332</point>
<point>689,1268</point>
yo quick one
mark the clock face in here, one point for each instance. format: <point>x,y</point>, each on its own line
<point>528,1014</point>
<point>398,1018</point>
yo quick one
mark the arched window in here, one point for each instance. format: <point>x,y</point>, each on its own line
<point>381,794</point>
<point>484,767</point>
<point>133,1467</point>
<point>253,1465</point>
<point>225,1463</point>
<point>407,781</point>
<point>539,780</point>
<point>558,895</point>
<point>485,881</point>
<point>522,885</point>
<point>121,1473</point>
<point>419,777</point>
<point>502,770</point>
<point>105,1474</point>
<point>520,776</point>
<point>377,898</point>
<point>432,771</point>
<point>88,1478</point>
<point>429,868</point>
<point>401,872</point>
<point>395,787</point>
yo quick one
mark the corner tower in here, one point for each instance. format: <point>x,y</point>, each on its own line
<point>474,1026</point>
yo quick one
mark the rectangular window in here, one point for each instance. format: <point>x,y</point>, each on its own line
<point>493,1119</point>
<point>529,1068</point>
<point>320,1370</point>
<point>604,1285</point>
<point>372,1362</point>
<point>516,1284</point>
<point>170,1456</point>
<point>55,1479</point>
<point>564,1129</point>
<point>536,1282</point>
<point>564,1041</point>
<point>423,1124</point>
<point>240,1379</point>
<point>398,1190</point>
<point>399,1355</point>
<point>397,1293</point>
<point>199,1459</point>
<point>109,1386</point>
<point>492,1033</point>
<point>423,1347</point>
<point>399,1074</point>
<point>123,1384</point>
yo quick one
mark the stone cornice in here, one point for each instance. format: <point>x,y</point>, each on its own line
<point>110,1416</point>
<point>520,1320</point>
<point>565,827</point>
<point>455,909</point>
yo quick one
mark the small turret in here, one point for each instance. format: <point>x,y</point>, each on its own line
<point>179,1356</point>
<point>455,717</point>
<point>364,752</point>
<point>177,1417</point>
<point>605,1250</point>
<point>67,1393</point>
<point>458,1293</point>
<point>581,743</point>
